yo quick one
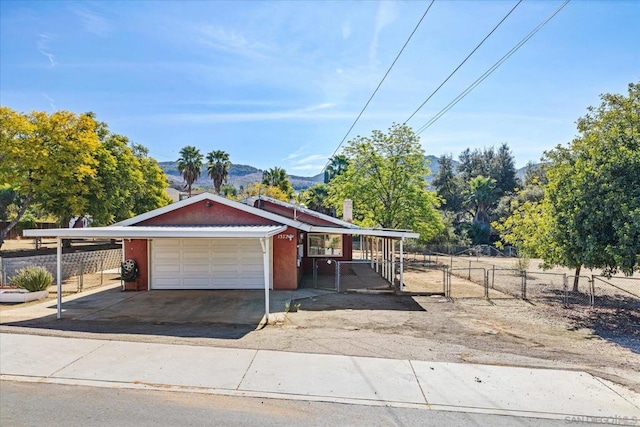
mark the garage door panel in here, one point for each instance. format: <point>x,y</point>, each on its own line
<point>206,264</point>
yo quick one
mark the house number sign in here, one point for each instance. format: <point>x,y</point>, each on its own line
<point>286,236</point>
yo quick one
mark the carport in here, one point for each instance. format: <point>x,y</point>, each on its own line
<point>260,233</point>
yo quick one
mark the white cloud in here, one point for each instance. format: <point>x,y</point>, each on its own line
<point>51,101</point>
<point>93,22</point>
<point>387,14</point>
<point>43,47</point>
<point>346,30</point>
<point>225,40</point>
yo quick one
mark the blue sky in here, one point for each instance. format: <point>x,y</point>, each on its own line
<point>279,83</point>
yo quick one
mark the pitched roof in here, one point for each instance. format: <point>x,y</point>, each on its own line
<point>216,199</point>
<point>149,232</point>
<point>307,211</point>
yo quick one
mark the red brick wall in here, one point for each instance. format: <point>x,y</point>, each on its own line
<point>199,214</point>
<point>136,249</point>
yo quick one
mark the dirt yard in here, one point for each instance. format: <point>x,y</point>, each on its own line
<point>504,331</point>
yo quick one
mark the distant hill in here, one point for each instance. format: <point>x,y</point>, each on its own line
<point>239,175</point>
<point>245,174</point>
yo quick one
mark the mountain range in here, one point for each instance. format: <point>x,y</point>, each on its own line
<point>241,175</point>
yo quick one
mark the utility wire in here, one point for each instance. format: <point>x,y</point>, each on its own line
<point>489,71</point>
<point>504,58</point>
<point>380,84</point>
<point>462,63</point>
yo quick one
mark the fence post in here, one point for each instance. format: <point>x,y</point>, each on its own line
<point>486,284</point>
<point>565,293</point>
<point>469,275</point>
<point>315,273</point>
<point>524,283</point>
<point>101,268</point>
<point>592,286</point>
<point>338,276</point>
<point>493,276</point>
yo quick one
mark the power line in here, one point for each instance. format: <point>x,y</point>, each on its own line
<point>380,84</point>
<point>465,60</point>
<point>486,74</point>
<point>489,71</point>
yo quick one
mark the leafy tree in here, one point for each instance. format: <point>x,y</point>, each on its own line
<point>593,194</point>
<point>151,195</point>
<point>48,158</point>
<point>590,215</point>
<point>487,162</point>
<point>337,165</point>
<point>385,180</point>
<point>257,189</point>
<point>189,165</point>
<point>277,177</point>
<point>218,165</point>
<point>229,191</point>
<point>449,185</point>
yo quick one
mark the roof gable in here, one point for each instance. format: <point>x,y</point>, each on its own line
<point>214,199</point>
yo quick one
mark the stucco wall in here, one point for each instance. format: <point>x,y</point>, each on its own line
<point>136,249</point>
<point>286,274</point>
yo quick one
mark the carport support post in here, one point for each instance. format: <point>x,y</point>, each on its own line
<point>401,264</point>
<point>265,259</point>
<point>59,275</point>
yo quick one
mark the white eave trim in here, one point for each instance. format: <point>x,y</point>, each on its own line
<point>376,232</point>
<point>143,232</point>
<point>215,199</point>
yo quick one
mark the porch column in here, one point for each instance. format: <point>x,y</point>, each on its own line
<point>393,262</point>
<point>401,264</point>
<point>59,275</point>
<point>265,260</point>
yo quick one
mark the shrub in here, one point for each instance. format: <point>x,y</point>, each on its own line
<point>32,279</point>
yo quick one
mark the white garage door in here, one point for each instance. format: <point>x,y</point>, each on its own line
<point>206,264</point>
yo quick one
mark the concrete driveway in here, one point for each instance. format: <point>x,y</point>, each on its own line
<point>207,313</point>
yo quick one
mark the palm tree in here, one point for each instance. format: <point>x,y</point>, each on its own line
<point>189,164</point>
<point>277,177</point>
<point>218,168</point>
<point>482,194</point>
<point>337,165</point>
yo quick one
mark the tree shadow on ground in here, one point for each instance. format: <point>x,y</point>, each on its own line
<point>359,301</point>
<point>615,318</point>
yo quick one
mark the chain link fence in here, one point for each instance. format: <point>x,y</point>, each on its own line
<point>496,282</point>
<point>80,270</point>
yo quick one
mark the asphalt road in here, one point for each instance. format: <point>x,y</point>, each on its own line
<point>37,404</point>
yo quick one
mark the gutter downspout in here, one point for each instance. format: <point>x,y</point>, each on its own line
<point>59,275</point>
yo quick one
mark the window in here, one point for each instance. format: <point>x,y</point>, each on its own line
<point>324,245</point>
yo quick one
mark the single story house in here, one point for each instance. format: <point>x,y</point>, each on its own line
<point>211,242</point>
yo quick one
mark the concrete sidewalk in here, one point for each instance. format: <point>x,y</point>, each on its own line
<point>540,393</point>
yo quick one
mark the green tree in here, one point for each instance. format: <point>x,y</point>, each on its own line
<point>49,159</point>
<point>590,214</point>
<point>277,177</point>
<point>448,185</point>
<point>385,180</point>
<point>218,165</point>
<point>337,165</point>
<point>593,194</point>
<point>151,195</point>
<point>189,165</point>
